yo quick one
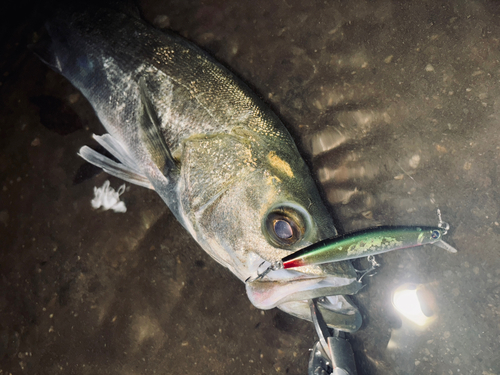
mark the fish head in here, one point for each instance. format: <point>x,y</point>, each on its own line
<point>249,204</point>
<point>244,198</point>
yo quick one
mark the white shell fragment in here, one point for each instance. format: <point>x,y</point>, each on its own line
<point>109,199</point>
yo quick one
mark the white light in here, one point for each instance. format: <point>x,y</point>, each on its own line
<point>407,303</point>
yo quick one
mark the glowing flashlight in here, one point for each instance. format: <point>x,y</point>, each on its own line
<point>415,303</point>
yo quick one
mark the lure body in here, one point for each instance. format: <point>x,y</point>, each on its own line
<point>363,243</point>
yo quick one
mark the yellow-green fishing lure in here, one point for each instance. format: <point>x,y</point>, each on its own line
<point>364,243</point>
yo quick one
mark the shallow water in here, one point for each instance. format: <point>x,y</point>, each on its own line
<point>396,108</point>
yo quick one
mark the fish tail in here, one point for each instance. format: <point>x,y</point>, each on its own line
<point>45,50</point>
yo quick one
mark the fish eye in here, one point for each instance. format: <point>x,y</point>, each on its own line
<point>435,234</point>
<point>284,226</point>
<point>283,229</point>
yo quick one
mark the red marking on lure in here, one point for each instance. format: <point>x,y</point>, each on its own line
<point>294,263</point>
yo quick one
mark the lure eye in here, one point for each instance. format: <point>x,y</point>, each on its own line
<point>435,234</point>
<point>284,226</point>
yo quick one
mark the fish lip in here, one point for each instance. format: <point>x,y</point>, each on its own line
<point>266,294</point>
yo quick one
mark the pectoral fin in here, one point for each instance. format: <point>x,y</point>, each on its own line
<point>123,171</point>
<point>151,135</point>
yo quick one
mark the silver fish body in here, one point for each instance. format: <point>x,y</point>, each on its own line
<point>182,124</point>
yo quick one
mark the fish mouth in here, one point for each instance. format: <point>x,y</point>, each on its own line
<point>290,291</point>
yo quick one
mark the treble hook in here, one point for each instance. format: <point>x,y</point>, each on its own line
<point>368,272</point>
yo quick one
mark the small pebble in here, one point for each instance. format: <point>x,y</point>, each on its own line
<point>414,161</point>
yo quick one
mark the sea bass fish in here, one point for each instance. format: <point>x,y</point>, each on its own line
<point>180,123</point>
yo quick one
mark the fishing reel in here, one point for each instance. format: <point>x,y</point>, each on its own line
<point>332,354</point>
